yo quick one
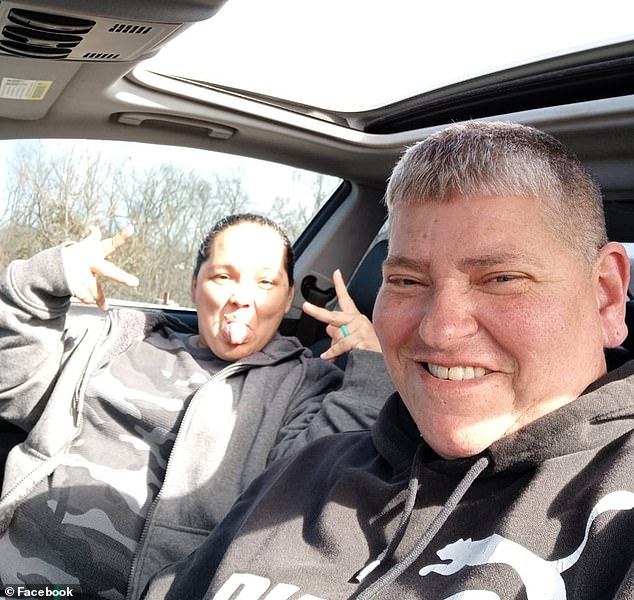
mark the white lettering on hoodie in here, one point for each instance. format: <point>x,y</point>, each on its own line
<point>255,587</point>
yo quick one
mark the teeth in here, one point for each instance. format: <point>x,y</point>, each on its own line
<point>456,373</point>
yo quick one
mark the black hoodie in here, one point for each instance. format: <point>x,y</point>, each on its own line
<point>543,514</point>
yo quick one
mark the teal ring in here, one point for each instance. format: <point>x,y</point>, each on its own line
<point>345,331</point>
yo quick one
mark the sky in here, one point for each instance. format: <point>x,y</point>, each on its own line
<point>358,54</point>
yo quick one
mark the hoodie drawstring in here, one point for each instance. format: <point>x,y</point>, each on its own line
<point>410,500</point>
<point>428,535</point>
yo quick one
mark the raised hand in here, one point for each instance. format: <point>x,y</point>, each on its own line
<point>348,328</point>
<point>85,260</point>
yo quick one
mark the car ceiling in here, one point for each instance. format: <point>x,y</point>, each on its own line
<point>584,99</point>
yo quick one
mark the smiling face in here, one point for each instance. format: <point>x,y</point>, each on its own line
<point>487,321</point>
<point>242,291</point>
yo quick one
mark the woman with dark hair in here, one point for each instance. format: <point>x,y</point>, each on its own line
<point>142,433</point>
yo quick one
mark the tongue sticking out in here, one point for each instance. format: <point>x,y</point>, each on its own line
<point>236,332</point>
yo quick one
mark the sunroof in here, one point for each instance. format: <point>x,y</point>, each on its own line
<point>356,55</point>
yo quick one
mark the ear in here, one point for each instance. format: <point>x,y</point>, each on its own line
<point>289,300</point>
<point>613,270</point>
<point>193,288</point>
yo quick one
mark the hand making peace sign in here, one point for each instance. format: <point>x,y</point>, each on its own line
<point>85,260</point>
<point>348,328</point>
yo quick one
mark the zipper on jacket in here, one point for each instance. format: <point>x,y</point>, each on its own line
<point>223,374</point>
<point>77,394</point>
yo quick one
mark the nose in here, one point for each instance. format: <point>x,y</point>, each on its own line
<point>241,295</point>
<point>447,318</point>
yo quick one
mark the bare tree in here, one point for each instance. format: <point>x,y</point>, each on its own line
<point>293,216</point>
<point>52,197</point>
<point>171,210</point>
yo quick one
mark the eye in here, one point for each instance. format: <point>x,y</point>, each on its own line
<point>503,278</point>
<point>505,283</point>
<point>266,283</point>
<point>401,281</point>
<point>221,277</point>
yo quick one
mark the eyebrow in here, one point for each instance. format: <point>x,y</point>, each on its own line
<point>486,260</point>
<point>493,260</point>
<point>398,260</point>
<point>214,265</point>
<point>265,270</point>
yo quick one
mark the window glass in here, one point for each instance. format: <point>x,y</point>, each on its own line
<point>54,190</point>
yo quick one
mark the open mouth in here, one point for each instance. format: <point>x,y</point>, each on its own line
<point>458,373</point>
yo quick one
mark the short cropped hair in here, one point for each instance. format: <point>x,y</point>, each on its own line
<point>238,219</point>
<point>505,159</point>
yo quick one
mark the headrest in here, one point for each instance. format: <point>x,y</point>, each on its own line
<point>366,280</point>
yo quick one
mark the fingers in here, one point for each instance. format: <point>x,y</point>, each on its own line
<point>106,268</point>
<point>108,246</point>
<point>94,234</point>
<point>88,289</point>
<point>361,336</point>
<point>334,320</point>
<point>348,308</point>
<point>100,298</point>
<point>333,317</point>
<point>114,273</point>
<point>84,261</point>
<point>346,303</point>
<point>330,317</point>
<point>339,344</point>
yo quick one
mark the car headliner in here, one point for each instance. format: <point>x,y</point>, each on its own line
<point>111,99</point>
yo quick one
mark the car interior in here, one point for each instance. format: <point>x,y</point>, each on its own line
<point>170,77</point>
<point>83,70</point>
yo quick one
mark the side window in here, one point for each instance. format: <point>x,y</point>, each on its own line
<point>54,190</point>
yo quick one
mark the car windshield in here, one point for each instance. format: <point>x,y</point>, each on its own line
<point>54,190</point>
<point>331,54</point>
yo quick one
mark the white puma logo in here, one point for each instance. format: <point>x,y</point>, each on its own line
<point>542,579</point>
